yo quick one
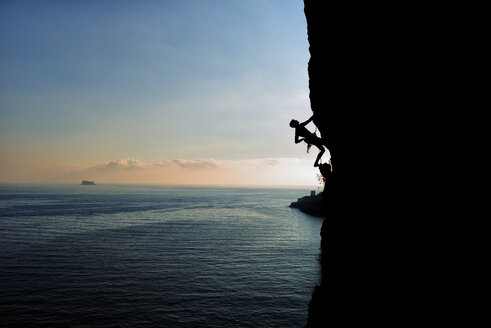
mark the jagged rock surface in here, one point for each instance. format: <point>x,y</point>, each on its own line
<point>324,98</point>
<point>354,80</point>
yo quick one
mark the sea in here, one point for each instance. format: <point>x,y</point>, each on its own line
<point>155,256</point>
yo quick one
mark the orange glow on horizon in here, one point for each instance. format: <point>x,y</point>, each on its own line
<point>251,172</point>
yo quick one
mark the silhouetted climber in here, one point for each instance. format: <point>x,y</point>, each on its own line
<point>309,137</point>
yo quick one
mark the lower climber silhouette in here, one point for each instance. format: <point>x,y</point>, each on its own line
<point>309,137</point>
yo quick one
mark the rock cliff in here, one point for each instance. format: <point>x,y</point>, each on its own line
<point>329,81</point>
<point>362,58</point>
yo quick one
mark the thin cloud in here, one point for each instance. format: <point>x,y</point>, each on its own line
<point>205,171</point>
<point>197,164</point>
<point>120,164</point>
<point>193,164</point>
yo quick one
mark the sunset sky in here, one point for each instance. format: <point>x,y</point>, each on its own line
<point>171,92</point>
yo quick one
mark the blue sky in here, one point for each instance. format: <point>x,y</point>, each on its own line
<point>88,82</point>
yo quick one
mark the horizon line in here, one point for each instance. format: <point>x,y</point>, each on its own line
<point>259,186</point>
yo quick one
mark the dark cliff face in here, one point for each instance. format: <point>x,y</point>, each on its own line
<point>339,83</point>
<point>363,74</point>
<point>380,75</point>
<point>330,71</point>
<point>326,118</point>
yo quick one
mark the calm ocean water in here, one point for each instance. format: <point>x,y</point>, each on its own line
<point>155,256</point>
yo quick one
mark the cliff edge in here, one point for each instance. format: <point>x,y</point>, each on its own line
<point>360,73</point>
<point>327,85</point>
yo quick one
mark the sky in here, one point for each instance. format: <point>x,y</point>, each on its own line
<point>164,92</point>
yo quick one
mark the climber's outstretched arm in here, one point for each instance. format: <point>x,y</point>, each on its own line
<point>308,121</point>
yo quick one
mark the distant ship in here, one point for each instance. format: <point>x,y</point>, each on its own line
<point>87,183</point>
